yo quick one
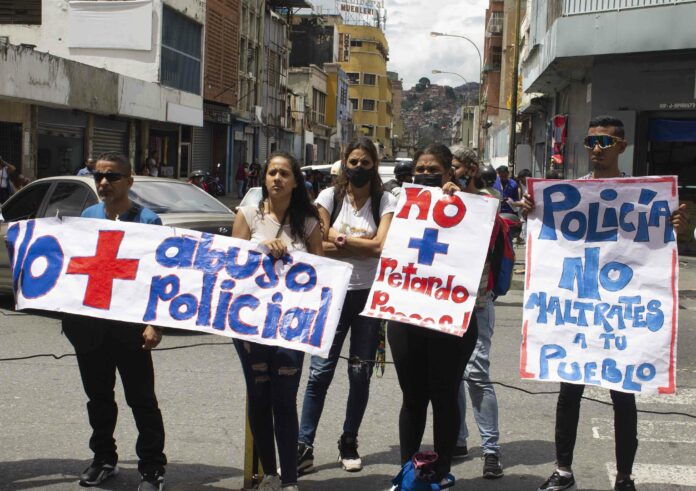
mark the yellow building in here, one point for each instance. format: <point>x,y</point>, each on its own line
<point>363,54</point>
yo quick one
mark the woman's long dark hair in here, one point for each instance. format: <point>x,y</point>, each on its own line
<point>366,145</point>
<point>301,207</point>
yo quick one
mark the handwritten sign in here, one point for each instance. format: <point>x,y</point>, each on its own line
<point>177,278</point>
<point>600,302</point>
<point>433,259</point>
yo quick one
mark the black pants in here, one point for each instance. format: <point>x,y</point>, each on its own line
<point>625,426</point>
<point>430,366</point>
<point>119,348</point>
<point>272,377</point>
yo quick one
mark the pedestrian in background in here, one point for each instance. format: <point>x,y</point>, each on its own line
<point>103,346</point>
<point>240,179</point>
<point>285,220</point>
<point>6,170</point>
<point>508,189</point>
<point>88,168</point>
<point>476,379</point>
<point>430,364</point>
<point>153,164</point>
<point>355,214</point>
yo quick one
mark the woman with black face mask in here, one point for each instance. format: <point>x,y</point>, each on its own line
<point>355,215</point>
<point>430,364</point>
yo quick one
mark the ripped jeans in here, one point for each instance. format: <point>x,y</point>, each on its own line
<point>364,338</point>
<point>272,377</point>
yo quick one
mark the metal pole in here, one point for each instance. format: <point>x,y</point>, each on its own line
<point>515,81</point>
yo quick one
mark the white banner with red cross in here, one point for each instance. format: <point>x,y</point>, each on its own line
<point>177,278</point>
<point>601,287</point>
<point>433,258</point>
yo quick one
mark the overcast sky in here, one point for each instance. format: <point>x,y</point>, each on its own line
<point>413,53</point>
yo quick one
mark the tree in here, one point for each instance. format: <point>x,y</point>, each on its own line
<point>427,106</point>
<point>424,81</point>
<point>420,87</point>
<point>449,93</point>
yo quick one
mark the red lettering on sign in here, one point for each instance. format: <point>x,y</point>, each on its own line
<point>419,197</point>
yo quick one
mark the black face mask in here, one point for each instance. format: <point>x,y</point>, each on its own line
<point>432,180</point>
<point>359,176</point>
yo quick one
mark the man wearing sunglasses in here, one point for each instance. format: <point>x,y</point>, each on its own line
<point>605,141</point>
<point>102,346</point>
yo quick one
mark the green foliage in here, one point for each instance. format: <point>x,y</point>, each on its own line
<point>425,81</point>
<point>428,106</point>
<point>420,87</point>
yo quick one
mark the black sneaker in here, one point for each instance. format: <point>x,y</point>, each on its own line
<point>557,482</point>
<point>492,469</point>
<point>305,459</point>
<point>460,452</point>
<point>97,473</point>
<point>348,453</point>
<point>625,485</point>
<point>152,482</point>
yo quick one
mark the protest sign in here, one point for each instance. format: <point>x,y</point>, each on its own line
<point>433,258</point>
<point>177,278</point>
<point>600,301</point>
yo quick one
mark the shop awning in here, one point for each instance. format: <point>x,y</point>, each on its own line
<point>672,130</point>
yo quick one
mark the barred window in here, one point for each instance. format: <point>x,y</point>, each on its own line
<point>181,52</point>
<point>20,12</point>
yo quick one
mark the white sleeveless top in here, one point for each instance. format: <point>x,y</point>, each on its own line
<point>264,227</point>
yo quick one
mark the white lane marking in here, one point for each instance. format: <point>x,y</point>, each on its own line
<point>656,477</point>
<point>682,397</point>
<point>649,431</point>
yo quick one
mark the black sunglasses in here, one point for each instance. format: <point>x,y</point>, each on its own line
<point>109,176</point>
<point>604,141</point>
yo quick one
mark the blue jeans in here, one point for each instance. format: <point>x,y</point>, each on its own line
<point>477,373</point>
<point>364,338</point>
<point>272,377</point>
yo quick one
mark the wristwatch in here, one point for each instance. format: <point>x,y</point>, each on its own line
<point>340,240</point>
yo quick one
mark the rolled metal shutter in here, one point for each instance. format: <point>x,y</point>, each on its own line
<point>263,148</point>
<point>201,149</point>
<point>109,140</point>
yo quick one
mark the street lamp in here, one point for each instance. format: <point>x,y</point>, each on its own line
<point>437,72</point>
<point>442,34</point>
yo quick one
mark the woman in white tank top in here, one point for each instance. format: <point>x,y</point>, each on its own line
<point>284,221</point>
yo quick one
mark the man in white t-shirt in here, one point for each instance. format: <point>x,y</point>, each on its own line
<point>5,186</point>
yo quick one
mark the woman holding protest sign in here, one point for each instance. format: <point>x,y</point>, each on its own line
<point>430,364</point>
<point>284,221</point>
<point>355,215</point>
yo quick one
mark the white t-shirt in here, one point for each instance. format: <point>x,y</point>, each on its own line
<point>264,227</point>
<point>359,223</point>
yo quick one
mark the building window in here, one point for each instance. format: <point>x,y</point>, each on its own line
<point>356,44</point>
<point>387,133</point>
<point>369,105</point>
<point>367,130</point>
<point>369,79</point>
<point>318,106</point>
<point>343,98</point>
<point>354,103</point>
<point>181,52</point>
<point>20,11</point>
<point>353,78</point>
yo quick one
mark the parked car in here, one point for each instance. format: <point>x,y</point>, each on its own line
<point>178,204</point>
<point>252,197</point>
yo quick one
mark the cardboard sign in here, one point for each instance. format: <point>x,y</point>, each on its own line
<point>177,278</point>
<point>600,301</point>
<point>433,258</point>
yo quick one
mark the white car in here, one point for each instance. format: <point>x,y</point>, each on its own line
<point>178,204</point>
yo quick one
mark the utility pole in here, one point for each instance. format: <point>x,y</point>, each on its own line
<point>515,82</point>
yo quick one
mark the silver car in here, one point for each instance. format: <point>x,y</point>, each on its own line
<point>178,204</point>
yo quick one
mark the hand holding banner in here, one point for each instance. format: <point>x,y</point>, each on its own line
<point>177,278</point>
<point>433,258</point>
<point>600,302</point>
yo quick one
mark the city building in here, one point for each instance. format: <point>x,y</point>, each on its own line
<point>398,136</point>
<point>491,116</point>
<point>72,85</point>
<point>339,112</point>
<point>363,53</point>
<point>310,83</point>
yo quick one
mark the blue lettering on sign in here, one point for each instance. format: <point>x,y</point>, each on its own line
<point>235,322</point>
<point>185,248</point>
<point>49,249</point>
<point>560,201</point>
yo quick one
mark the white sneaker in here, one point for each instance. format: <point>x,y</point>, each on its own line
<point>292,487</point>
<point>269,483</point>
<point>348,453</point>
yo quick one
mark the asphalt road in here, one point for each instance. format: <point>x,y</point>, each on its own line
<point>44,430</point>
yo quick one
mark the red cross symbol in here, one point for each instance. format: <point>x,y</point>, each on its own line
<point>103,268</point>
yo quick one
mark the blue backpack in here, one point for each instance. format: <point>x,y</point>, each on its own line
<point>417,475</point>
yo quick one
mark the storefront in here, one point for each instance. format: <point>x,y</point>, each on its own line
<point>61,141</point>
